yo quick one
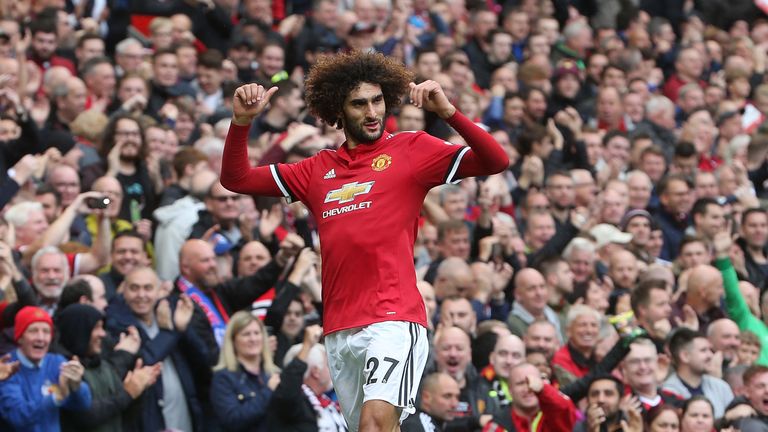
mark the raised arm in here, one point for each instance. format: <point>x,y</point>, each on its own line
<point>485,156</point>
<point>249,102</point>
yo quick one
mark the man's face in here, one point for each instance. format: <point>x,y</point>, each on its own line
<point>97,336</point>
<point>639,366</point>
<point>542,337</point>
<point>617,148</point>
<point>514,109</point>
<point>130,87</point>
<point>293,321</point>
<point>131,58</point>
<point>50,274</point>
<point>609,105</point>
<point>653,165</point>
<point>112,189</point>
<point>141,292</point>
<point>127,254</point>
<point>166,69</point>
<point>536,105</point>
<point>640,228</point>
<point>223,204</point>
<point>428,66</point>
<point>99,295</point>
<point>364,111</point>
<point>726,338</point>
<point>755,229</point>
<point>44,44</point>
<point>155,138</point>
<point>272,60</point>
<point>699,355</point>
<point>453,353</point>
<point>128,134</point>
<point>253,256</point>
<point>659,306</point>
<point>706,185</point>
<point>209,79</point>
<point>541,228</point>
<point>102,80</point>
<point>712,221</point>
<point>455,204</point>
<point>410,118</point>
<point>443,401</point>
<point>564,278</point>
<point>531,291</point>
<point>9,130</point>
<point>614,207</point>
<point>456,244</point>
<point>560,191</point>
<point>583,332</point>
<point>33,229</point>
<point>693,254</point>
<point>74,102</point>
<point>582,264</point>
<point>677,197</point>
<point>690,64</point>
<point>604,394</point>
<point>501,48</point>
<point>50,208</point>
<point>522,396</point>
<point>200,267</point>
<point>623,269</point>
<point>35,340</point>
<point>459,313</point>
<point>66,181</point>
<point>508,353</point>
<point>91,48</point>
<point>757,393</point>
<point>639,191</point>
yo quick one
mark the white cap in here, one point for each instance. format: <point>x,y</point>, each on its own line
<point>606,233</point>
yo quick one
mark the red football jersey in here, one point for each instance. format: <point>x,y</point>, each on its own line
<point>366,202</point>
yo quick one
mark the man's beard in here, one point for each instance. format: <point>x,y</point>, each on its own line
<point>131,158</point>
<point>358,133</point>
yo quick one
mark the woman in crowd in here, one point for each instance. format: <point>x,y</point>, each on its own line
<point>698,415</point>
<point>662,418</point>
<point>245,376</point>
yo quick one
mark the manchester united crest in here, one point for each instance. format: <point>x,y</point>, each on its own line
<point>381,162</point>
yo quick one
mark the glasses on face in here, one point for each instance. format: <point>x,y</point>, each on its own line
<point>225,198</point>
<point>126,134</point>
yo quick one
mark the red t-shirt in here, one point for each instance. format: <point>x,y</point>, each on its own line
<point>366,202</point>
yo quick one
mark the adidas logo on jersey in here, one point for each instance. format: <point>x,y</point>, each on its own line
<point>330,174</point>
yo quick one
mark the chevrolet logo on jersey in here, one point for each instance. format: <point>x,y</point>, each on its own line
<point>348,192</point>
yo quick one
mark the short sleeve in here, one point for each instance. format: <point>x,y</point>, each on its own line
<point>435,161</point>
<point>293,180</point>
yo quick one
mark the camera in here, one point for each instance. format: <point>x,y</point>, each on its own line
<point>97,203</point>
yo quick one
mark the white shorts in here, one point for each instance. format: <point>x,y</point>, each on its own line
<point>382,361</point>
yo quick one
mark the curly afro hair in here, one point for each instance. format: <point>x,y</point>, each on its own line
<point>332,78</point>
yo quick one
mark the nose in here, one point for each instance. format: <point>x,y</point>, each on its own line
<point>370,112</point>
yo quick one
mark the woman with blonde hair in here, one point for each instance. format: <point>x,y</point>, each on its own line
<point>245,376</point>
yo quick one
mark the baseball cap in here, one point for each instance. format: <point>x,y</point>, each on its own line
<point>606,233</point>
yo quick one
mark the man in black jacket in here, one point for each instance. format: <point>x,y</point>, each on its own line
<point>439,399</point>
<point>299,402</point>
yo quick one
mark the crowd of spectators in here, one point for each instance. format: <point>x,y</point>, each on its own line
<point>614,277</point>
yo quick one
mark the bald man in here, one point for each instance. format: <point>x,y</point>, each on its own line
<point>508,352</point>
<point>623,269</point>
<point>531,295</point>
<point>215,301</point>
<point>725,337</point>
<point>705,289</point>
<point>439,400</point>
